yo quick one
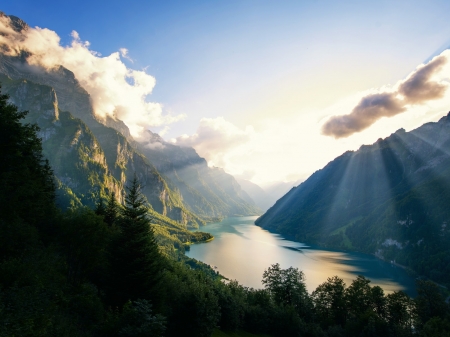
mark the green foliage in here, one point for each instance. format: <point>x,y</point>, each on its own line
<point>100,208</point>
<point>365,306</point>
<point>436,327</point>
<point>21,153</point>
<point>65,198</point>
<point>259,311</point>
<point>17,238</point>
<point>37,300</point>
<point>287,287</point>
<point>111,211</point>
<point>429,302</point>
<point>330,302</point>
<point>84,238</point>
<point>190,302</point>
<point>75,274</point>
<point>400,313</point>
<point>137,320</point>
<point>231,298</point>
<point>239,333</point>
<point>136,263</point>
<point>389,199</point>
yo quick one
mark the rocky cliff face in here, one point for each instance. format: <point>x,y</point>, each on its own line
<point>80,162</point>
<point>177,182</point>
<point>74,154</point>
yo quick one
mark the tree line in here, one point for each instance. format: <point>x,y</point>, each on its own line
<point>99,272</point>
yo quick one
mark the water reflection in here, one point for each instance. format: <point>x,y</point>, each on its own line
<point>242,251</point>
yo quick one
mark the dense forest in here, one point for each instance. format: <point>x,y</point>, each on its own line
<point>101,272</point>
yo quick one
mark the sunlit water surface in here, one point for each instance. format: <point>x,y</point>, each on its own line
<point>242,251</point>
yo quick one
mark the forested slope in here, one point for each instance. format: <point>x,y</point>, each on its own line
<point>390,199</point>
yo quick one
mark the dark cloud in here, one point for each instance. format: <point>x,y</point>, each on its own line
<point>368,111</point>
<point>418,88</point>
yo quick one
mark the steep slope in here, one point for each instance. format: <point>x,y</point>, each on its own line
<point>184,183</point>
<point>210,192</point>
<point>265,198</point>
<point>83,166</point>
<point>390,199</point>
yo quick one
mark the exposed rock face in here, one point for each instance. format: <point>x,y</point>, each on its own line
<point>78,158</point>
<point>71,96</point>
<point>72,150</point>
<point>16,23</point>
<point>177,182</point>
<point>41,99</point>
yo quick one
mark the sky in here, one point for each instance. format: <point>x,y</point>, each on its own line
<point>268,90</point>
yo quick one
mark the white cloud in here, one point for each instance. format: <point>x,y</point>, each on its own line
<point>124,54</point>
<point>217,140</point>
<point>115,90</point>
<point>271,149</point>
<point>292,148</point>
<point>427,83</point>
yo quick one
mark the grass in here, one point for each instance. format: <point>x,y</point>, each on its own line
<point>239,333</point>
<point>347,243</point>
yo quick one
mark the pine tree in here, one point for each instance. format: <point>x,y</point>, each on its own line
<point>27,189</point>
<point>136,262</point>
<point>111,210</point>
<point>100,208</point>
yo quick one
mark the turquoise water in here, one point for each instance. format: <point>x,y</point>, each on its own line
<point>242,251</point>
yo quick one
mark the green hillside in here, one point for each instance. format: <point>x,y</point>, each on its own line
<point>390,199</point>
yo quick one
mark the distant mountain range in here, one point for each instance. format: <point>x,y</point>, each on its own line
<point>391,199</point>
<point>92,157</point>
<point>266,197</point>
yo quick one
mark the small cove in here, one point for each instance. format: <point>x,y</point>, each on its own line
<point>242,251</point>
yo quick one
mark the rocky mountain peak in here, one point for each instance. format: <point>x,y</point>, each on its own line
<point>16,23</point>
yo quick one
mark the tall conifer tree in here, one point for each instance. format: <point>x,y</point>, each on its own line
<point>111,210</point>
<point>27,188</point>
<point>137,263</point>
<point>100,208</point>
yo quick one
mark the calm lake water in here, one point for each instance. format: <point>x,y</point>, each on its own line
<point>242,251</point>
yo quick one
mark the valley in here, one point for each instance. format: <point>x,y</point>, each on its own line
<point>109,228</point>
<point>242,251</point>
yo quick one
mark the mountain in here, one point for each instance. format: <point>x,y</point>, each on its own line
<point>265,198</point>
<point>256,193</point>
<point>92,156</point>
<point>85,165</point>
<point>390,199</point>
<point>206,191</point>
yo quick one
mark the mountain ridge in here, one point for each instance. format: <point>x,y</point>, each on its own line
<point>388,199</point>
<point>122,152</point>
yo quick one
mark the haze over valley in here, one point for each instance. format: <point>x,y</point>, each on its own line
<point>224,169</point>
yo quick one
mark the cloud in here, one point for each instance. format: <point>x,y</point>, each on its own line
<point>115,90</point>
<point>368,111</point>
<point>124,54</point>
<point>215,139</point>
<point>418,88</point>
<point>246,175</point>
<point>164,131</point>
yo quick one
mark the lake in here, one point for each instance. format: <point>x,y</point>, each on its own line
<point>242,251</point>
